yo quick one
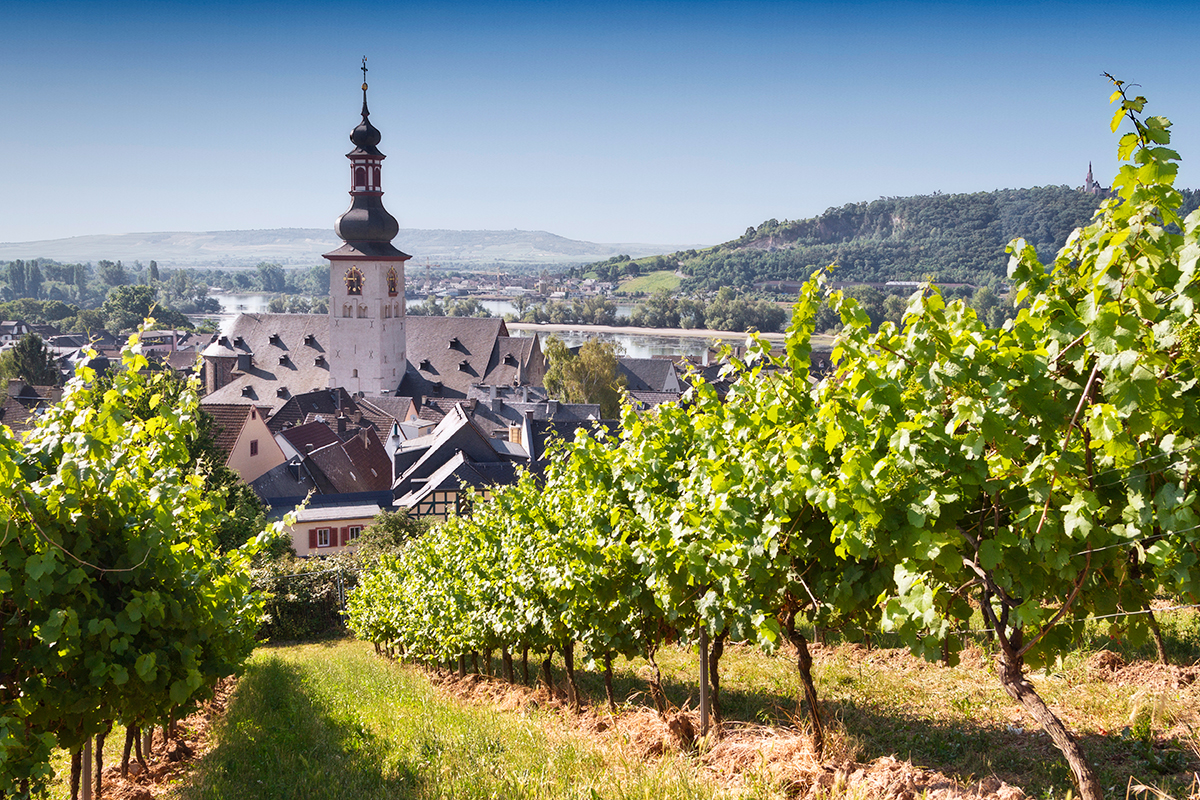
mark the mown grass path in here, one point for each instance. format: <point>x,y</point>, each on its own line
<point>333,721</point>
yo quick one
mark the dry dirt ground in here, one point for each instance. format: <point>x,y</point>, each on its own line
<point>165,766</point>
<point>783,756</point>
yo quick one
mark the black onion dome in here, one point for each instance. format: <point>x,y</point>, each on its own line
<point>366,136</point>
<point>366,221</point>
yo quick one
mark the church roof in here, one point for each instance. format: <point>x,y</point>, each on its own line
<point>446,355</point>
<point>373,250</point>
<point>512,353</point>
<point>286,352</point>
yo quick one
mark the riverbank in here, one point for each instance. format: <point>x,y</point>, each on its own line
<point>633,330</point>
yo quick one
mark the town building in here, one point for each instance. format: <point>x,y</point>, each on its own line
<point>372,378</point>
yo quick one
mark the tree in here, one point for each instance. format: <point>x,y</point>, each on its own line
<point>127,306</point>
<point>16,278</point>
<point>589,377</point>
<point>31,361</point>
<point>271,277</point>
<point>111,274</point>
<point>154,278</point>
<point>387,533</point>
<point>33,280</point>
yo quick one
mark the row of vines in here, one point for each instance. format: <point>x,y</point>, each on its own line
<point>118,605</point>
<point>946,477</point>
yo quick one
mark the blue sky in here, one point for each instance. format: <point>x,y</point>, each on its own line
<point>664,122</point>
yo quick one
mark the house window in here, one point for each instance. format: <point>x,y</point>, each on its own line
<point>322,537</point>
<point>254,447</point>
<point>353,532</point>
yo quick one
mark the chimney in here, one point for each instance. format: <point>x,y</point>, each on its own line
<point>341,423</point>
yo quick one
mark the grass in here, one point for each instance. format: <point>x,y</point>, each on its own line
<point>335,721</point>
<point>650,283</point>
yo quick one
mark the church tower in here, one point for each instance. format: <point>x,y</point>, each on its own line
<point>366,278</point>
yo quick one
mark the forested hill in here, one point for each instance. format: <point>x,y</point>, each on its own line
<point>955,238</point>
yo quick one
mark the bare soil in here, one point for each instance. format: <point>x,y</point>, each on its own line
<point>166,765</point>
<point>783,755</point>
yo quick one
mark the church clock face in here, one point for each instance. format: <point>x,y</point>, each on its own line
<point>354,281</point>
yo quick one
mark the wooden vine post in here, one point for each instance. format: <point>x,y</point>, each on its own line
<point>704,712</point>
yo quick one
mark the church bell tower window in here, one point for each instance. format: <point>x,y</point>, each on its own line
<point>392,282</point>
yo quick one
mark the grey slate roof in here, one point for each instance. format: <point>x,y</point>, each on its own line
<point>285,480</point>
<point>494,416</point>
<point>419,458</point>
<point>448,354</point>
<point>284,349</point>
<point>457,474</point>
<point>644,400</point>
<point>647,374</point>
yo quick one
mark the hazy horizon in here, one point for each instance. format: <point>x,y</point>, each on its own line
<point>605,122</point>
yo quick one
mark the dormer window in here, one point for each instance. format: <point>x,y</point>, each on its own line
<point>275,340</point>
<point>319,361</point>
<point>464,365</point>
<point>425,364</point>
<point>247,391</point>
<point>509,358</point>
<point>283,359</point>
<point>281,391</point>
<point>238,341</point>
<point>310,339</point>
<point>453,343</point>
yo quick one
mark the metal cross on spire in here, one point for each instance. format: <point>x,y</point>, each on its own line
<point>364,69</point>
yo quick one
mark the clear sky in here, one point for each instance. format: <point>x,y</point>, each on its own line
<point>662,122</point>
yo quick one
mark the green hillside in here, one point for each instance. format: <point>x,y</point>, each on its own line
<point>649,284</point>
<point>954,238</point>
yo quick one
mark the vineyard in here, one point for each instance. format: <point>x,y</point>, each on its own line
<point>948,481</point>
<point>118,605</point>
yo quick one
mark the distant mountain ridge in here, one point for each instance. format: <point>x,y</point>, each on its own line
<point>953,238</point>
<point>304,246</point>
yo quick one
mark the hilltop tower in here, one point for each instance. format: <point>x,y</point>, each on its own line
<point>366,277</point>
